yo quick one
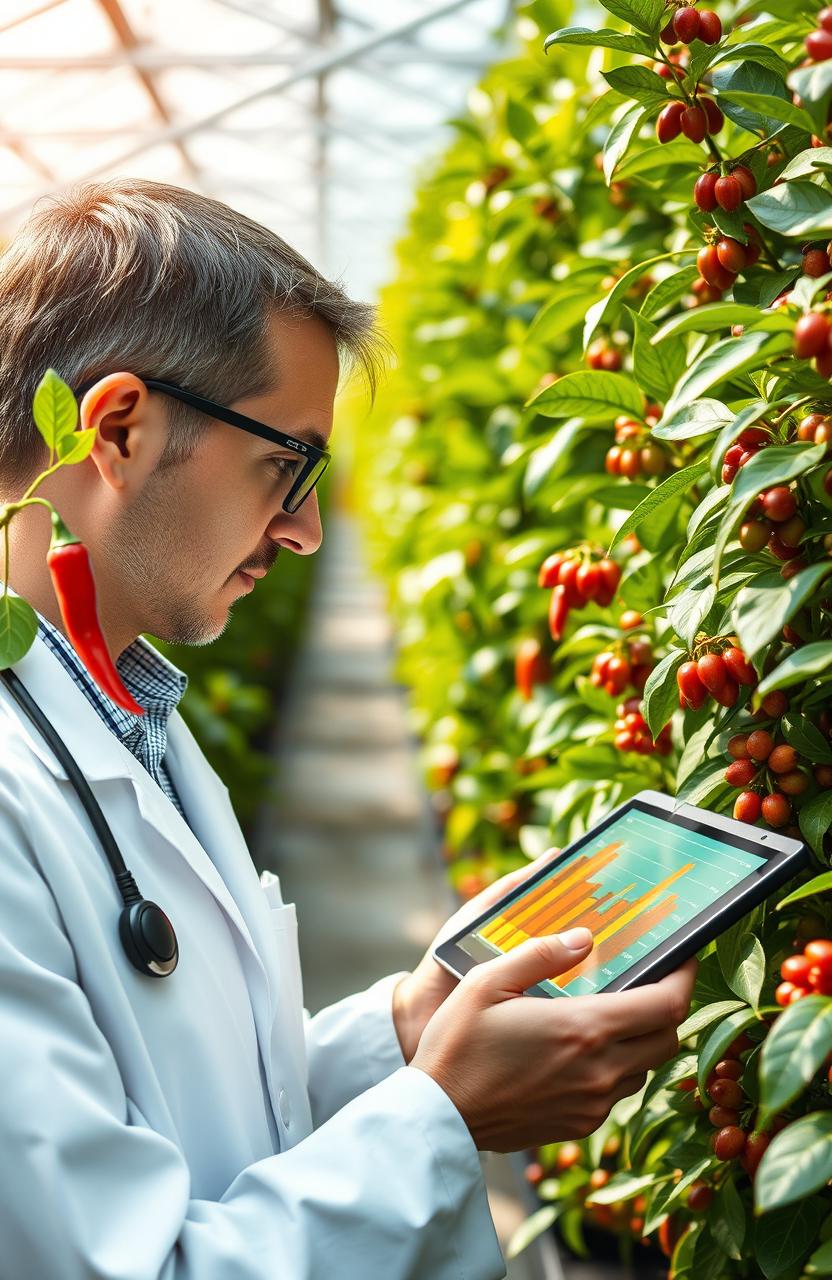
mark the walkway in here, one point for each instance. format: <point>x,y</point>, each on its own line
<point>350,831</point>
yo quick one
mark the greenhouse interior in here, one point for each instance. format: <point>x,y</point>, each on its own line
<point>487,849</point>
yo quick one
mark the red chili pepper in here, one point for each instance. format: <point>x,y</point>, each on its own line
<point>72,578</point>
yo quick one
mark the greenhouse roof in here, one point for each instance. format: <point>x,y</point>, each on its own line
<point>309,115</point>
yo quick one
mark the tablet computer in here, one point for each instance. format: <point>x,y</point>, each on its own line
<point>654,882</point>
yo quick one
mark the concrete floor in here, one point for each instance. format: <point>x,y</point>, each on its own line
<point>349,829</point>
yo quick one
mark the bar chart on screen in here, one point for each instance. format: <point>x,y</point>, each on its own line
<point>633,886</point>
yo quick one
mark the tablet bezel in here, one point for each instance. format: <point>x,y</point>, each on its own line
<point>784,857</point>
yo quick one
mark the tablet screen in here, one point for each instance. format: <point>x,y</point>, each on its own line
<point>634,884</point>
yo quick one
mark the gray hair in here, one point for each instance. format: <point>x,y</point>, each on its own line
<point>140,275</point>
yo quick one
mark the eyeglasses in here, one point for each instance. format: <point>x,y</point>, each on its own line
<point>315,460</point>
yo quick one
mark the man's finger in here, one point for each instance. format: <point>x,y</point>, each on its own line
<point>534,960</point>
<point>650,1008</point>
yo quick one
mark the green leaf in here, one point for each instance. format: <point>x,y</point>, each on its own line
<point>644,15</point>
<point>704,1017</point>
<point>806,738</point>
<point>782,1238</point>
<point>623,1186</point>
<point>768,107</point>
<point>813,84</point>
<point>819,884</point>
<point>606,38</point>
<point>552,458</point>
<point>727,1220</point>
<point>726,359</point>
<point>533,1227</point>
<point>750,78</point>
<point>806,163</point>
<point>637,82</point>
<point>619,138</point>
<point>793,1052</point>
<point>77,446</point>
<point>520,121</point>
<point>820,1263</point>
<point>655,371</point>
<point>815,820</point>
<point>670,489</point>
<point>668,291</point>
<point>763,607</point>
<point>54,408</point>
<point>690,609</point>
<point>743,962</point>
<point>718,315</point>
<point>702,784</point>
<point>751,51</point>
<point>803,663</point>
<point>797,1163</point>
<point>589,394</point>
<point>699,418</point>
<point>718,1041</point>
<point>660,693</point>
<point>793,209</point>
<point>606,309</point>
<point>18,628</point>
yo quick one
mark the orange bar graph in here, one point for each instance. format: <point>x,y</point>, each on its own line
<point>520,913</point>
<point>617,943</point>
<point>563,918</point>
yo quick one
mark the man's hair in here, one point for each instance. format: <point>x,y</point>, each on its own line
<point>163,282</point>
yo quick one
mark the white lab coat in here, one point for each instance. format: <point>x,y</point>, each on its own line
<point>142,1134</point>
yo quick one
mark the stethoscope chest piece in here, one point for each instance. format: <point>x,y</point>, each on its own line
<point>148,938</point>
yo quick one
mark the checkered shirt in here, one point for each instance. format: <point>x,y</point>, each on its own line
<point>156,684</point>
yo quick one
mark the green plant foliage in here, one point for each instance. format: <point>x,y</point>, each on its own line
<point>564,387</point>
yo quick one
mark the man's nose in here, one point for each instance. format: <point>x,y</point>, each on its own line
<point>300,531</point>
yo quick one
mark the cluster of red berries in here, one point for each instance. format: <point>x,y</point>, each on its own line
<point>725,1093</point>
<point>816,261</point>
<point>807,973</point>
<point>695,121</point>
<point>621,1215</point>
<point>720,262</point>
<point>726,191</point>
<point>717,674</point>
<point>689,24</point>
<point>774,523</point>
<point>576,579</point>
<point>749,442</point>
<point>633,453</point>
<point>813,340</point>
<point>757,760</point>
<point>676,65</point>
<point>600,355</point>
<point>633,734</point>
<point>819,41</point>
<point>631,664</point>
<point>816,428</point>
<point>531,666</point>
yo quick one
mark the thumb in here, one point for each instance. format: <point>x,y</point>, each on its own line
<point>538,958</point>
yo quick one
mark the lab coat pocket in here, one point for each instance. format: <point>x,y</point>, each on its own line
<point>288,1033</point>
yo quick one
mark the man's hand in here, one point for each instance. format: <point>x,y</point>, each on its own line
<point>523,1071</point>
<point>419,995</point>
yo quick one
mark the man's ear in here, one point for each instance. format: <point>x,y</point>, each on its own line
<point>131,430</point>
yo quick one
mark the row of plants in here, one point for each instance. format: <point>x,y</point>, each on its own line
<point>602,497</point>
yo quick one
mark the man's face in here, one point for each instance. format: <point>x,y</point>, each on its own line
<point>183,542</point>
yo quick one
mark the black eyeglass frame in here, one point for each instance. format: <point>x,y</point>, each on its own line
<point>312,455</point>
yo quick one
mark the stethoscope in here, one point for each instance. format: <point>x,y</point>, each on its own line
<point>146,933</point>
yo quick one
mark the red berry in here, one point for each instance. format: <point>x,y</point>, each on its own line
<point>759,744</point>
<point>728,1143</point>
<point>693,120</point>
<point>740,773</point>
<point>739,666</point>
<point>776,809</point>
<point>669,122</point>
<point>713,672</point>
<point>819,951</point>
<point>783,994</point>
<point>728,1069</point>
<point>754,534</point>
<point>728,191</point>
<point>726,1093</point>
<point>610,578</point>
<point>795,969</point>
<point>588,580</point>
<point>755,1149</point>
<point>703,190</point>
<point>811,335</point>
<point>731,254</point>
<point>825,19</point>
<point>690,686</point>
<point>819,45</point>
<point>746,179</point>
<point>815,261</point>
<point>779,503</point>
<point>820,979</point>
<point>747,806</point>
<point>733,455</point>
<point>711,269</point>
<point>728,694</point>
<point>699,1196</point>
<point>686,24</point>
<point>782,759</point>
<point>713,115</point>
<point>823,775</point>
<point>667,35</point>
<point>738,746</point>
<point>710,27</point>
<point>754,436</point>
<point>775,704</point>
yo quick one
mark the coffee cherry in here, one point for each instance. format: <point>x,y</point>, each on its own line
<point>728,1143</point>
<point>825,19</point>
<point>693,120</point>
<point>823,775</point>
<point>819,45</point>
<point>569,1154</point>
<point>653,461</point>
<point>740,773</point>
<point>610,578</point>
<point>748,183</point>
<point>700,1194</point>
<point>795,969</point>
<point>811,336</point>
<point>669,122</point>
<point>731,254</point>
<point>726,1093</point>
<point>711,269</point>
<point>775,703</point>
<point>588,580</point>
<point>690,686</point>
<point>815,262</point>
<point>747,806</point>
<point>703,192</point>
<point>728,1069</point>
<point>728,192</point>
<point>739,666</point>
<point>782,759</point>
<point>779,503</point>
<point>686,23</point>
<point>754,534</point>
<point>713,672</point>
<point>710,27</point>
<point>783,994</point>
<point>778,548</point>
<point>791,531</point>
<point>738,746</point>
<point>535,1173</point>
<point>776,809</point>
<point>755,1149</point>
<point>667,35</point>
<point>793,783</point>
<point>759,744</point>
<point>713,115</point>
<point>728,694</point>
<point>721,1116</point>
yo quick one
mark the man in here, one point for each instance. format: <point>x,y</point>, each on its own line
<point>197,1127</point>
